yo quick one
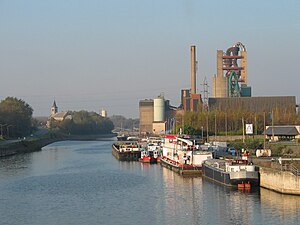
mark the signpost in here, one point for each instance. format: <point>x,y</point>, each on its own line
<point>249,128</point>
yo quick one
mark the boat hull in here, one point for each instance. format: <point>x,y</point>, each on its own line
<point>230,180</point>
<point>125,156</point>
<point>148,159</point>
<point>185,170</point>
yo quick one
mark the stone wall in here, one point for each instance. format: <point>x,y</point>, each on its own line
<point>280,181</point>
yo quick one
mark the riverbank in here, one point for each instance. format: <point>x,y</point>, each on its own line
<point>36,144</point>
<point>24,146</point>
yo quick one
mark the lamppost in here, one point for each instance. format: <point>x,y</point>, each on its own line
<point>2,125</point>
<point>202,133</point>
<point>8,130</point>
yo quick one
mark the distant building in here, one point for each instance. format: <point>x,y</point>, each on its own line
<point>190,99</point>
<point>231,79</point>
<point>103,113</point>
<point>57,116</point>
<point>190,102</point>
<point>54,108</point>
<point>286,132</point>
<point>155,115</point>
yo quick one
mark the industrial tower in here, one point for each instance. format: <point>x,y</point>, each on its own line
<point>232,78</point>
<point>190,99</point>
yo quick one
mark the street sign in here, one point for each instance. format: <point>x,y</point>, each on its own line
<point>249,128</point>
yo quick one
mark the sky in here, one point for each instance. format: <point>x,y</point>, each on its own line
<point>92,55</point>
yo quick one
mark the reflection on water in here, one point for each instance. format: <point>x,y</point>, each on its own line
<point>182,198</point>
<point>82,183</point>
<point>285,206</point>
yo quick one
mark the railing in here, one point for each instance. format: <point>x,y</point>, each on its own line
<point>294,170</point>
<point>291,168</point>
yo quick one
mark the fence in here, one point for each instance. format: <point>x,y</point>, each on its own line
<point>290,167</point>
<point>294,170</point>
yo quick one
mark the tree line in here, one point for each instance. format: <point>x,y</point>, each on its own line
<point>83,122</point>
<point>122,123</point>
<point>16,121</point>
<point>15,118</point>
<point>231,122</point>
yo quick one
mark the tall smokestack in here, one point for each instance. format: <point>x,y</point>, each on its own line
<point>193,69</point>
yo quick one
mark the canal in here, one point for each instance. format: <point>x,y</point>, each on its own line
<point>80,182</point>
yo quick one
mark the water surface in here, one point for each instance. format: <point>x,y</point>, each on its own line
<point>80,182</point>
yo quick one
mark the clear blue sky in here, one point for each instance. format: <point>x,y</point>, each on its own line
<point>89,54</point>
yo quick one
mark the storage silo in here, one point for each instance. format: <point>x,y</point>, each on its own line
<point>159,109</point>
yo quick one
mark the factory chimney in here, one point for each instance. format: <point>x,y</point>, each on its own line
<point>193,69</point>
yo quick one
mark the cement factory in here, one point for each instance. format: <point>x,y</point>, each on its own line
<point>230,90</point>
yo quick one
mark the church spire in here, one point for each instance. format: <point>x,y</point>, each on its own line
<point>54,108</point>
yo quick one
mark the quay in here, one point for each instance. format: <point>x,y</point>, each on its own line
<point>284,182</point>
<point>280,177</point>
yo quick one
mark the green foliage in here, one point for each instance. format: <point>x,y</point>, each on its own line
<point>120,122</point>
<point>83,122</point>
<point>15,117</point>
<point>248,144</point>
<point>277,150</point>
<point>191,131</point>
<point>230,122</point>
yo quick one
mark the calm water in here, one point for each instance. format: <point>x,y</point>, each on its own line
<point>81,183</point>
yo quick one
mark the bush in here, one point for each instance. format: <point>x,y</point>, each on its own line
<point>277,150</point>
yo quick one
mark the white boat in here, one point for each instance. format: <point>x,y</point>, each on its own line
<point>152,152</point>
<point>183,155</point>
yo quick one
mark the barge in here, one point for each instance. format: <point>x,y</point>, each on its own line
<point>231,173</point>
<point>183,155</point>
<point>127,151</point>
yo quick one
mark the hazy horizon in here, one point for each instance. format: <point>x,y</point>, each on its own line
<point>93,55</point>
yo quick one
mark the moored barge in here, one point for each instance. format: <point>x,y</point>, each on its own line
<point>231,173</point>
<point>127,151</point>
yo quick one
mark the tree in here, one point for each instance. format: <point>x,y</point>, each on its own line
<point>84,122</point>
<point>17,116</point>
<point>230,121</point>
<point>122,123</point>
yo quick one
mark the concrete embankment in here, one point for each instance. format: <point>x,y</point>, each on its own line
<point>24,146</point>
<point>280,181</point>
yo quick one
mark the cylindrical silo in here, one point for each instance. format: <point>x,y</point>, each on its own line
<point>159,109</point>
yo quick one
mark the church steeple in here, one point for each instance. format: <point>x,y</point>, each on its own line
<point>54,109</point>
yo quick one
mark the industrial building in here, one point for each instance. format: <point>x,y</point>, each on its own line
<point>230,90</point>
<point>155,115</point>
<point>190,99</point>
<point>231,79</point>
